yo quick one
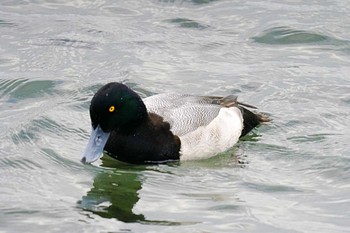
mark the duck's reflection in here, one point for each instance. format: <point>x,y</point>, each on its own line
<point>115,193</point>
<point>116,190</point>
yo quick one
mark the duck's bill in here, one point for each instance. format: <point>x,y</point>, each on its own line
<point>94,148</point>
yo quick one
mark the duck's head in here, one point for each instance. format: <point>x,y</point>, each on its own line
<point>114,107</point>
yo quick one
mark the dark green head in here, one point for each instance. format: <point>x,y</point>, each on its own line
<point>115,106</point>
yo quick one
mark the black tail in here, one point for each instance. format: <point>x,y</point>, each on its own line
<point>251,120</point>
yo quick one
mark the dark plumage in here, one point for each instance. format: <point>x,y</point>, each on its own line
<point>149,142</point>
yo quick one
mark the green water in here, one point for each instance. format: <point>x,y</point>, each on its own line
<point>290,59</point>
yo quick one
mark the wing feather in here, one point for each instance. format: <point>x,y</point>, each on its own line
<point>185,113</point>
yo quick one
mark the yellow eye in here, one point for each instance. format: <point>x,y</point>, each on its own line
<point>111,108</point>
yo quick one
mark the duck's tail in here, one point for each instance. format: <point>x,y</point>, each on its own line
<point>251,119</point>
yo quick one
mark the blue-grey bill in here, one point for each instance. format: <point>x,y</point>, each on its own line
<point>94,148</point>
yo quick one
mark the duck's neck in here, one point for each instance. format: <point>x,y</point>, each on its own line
<point>140,117</point>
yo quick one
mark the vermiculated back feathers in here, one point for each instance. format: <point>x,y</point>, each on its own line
<point>186,113</point>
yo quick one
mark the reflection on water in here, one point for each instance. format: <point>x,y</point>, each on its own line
<point>113,195</point>
<point>115,192</point>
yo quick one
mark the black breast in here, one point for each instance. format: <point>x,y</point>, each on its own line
<point>149,142</point>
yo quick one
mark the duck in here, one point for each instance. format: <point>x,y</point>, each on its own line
<point>165,127</point>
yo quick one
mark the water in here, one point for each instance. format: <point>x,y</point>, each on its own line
<point>290,59</point>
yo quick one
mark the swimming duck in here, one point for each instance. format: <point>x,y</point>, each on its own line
<point>164,127</point>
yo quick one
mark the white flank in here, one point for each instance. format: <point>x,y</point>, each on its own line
<point>216,137</point>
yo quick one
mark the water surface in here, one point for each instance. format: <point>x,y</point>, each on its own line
<point>289,59</point>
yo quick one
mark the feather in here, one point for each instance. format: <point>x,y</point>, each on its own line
<point>185,113</point>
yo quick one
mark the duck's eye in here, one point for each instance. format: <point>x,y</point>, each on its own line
<point>111,108</point>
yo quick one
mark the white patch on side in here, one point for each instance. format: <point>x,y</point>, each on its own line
<point>218,136</point>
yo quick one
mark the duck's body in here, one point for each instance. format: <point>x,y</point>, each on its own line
<point>204,126</point>
<point>165,127</point>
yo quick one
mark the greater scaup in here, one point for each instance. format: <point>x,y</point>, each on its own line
<point>164,127</point>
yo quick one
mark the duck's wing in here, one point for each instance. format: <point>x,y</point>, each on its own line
<point>186,113</point>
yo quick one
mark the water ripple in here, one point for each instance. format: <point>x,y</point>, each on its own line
<point>65,42</point>
<point>19,163</point>
<point>4,23</point>
<point>187,23</point>
<point>197,2</point>
<point>289,36</point>
<point>285,36</point>
<point>20,89</point>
